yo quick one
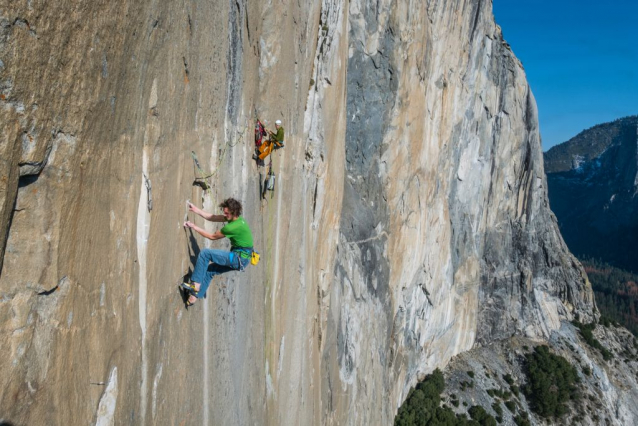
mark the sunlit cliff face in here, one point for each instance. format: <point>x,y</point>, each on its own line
<point>409,222</point>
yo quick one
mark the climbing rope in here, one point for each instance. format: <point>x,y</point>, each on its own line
<point>229,143</point>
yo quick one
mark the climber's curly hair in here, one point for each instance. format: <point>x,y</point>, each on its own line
<point>234,206</point>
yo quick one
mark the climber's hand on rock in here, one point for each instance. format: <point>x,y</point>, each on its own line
<point>189,224</point>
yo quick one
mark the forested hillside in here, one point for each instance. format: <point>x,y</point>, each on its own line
<point>616,293</point>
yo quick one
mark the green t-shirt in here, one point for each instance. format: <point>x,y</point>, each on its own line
<point>279,136</point>
<point>238,232</point>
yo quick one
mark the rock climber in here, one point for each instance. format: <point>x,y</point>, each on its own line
<point>276,141</point>
<point>277,138</point>
<point>211,262</point>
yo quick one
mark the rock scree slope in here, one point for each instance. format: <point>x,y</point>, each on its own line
<point>410,221</point>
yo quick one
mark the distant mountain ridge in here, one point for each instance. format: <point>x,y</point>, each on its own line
<point>588,144</point>
<point>593,190</point>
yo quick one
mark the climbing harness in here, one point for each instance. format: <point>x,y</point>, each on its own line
<point>246,253</point>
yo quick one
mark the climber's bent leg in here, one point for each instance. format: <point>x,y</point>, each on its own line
<point>266,151</point>
<point>212,262</point>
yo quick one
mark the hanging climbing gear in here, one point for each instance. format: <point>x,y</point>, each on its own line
<point>260,133</point>
<point>254,258</point>
<point>270,184</point>
<point>201,178</point>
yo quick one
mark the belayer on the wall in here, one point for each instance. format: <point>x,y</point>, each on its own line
<point>264,147</point>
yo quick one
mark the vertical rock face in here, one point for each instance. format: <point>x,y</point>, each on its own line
<point>446,239</point>
<point>410,221</point>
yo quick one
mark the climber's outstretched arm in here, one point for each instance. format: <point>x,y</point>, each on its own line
<point>208,216</point>
<point>214,236</point>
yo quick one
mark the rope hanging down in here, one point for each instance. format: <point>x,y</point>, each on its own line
<point>203,179</point>
<point>239,139</point>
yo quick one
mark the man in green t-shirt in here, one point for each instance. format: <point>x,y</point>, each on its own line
<point>212,262</point>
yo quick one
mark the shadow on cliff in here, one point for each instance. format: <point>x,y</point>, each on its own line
<point>193,252</point>
<point>193,247</point>
<point>5,423</point>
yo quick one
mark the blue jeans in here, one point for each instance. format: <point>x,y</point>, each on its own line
<point>212,262</point>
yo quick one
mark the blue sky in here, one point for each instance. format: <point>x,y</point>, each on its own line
<point>580,57</point>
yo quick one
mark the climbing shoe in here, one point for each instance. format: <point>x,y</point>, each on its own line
<point>190,288</point>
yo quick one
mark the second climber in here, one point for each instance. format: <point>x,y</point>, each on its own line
<point>275,141</point>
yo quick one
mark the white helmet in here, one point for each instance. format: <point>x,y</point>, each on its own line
<point>278,122</point>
